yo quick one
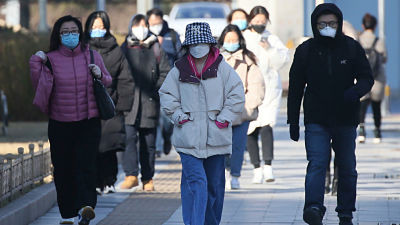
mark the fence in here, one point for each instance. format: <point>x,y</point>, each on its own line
<point>19,173</point>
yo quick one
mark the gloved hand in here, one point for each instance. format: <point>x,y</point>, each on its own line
<point>294,132</point>
<point>351,95</point>
<point>95,70</point>
<point>221,125</point>
<point>42,55</point>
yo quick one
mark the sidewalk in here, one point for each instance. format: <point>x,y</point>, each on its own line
<point>378,199</point>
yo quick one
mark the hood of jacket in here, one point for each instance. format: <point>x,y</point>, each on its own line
<point>165,29</point>
<point>103,44</point>
<point>323,9</point>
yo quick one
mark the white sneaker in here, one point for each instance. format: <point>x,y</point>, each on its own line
<point>377,140</point>
<point>268,174</point>
<point>227,179</point>
<point>361,139</point>
<point>85,215</point>
<point>109,189</point>
<point>258,175</point>
<point>67,221</point>
<point>235,184</point>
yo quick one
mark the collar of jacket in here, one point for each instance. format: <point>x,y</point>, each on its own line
<point>238,55</point>
<point>132,41</point>
<point>68,52</point>
<point>187,75</point>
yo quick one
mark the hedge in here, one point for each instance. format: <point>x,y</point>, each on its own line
<point>15,51</point>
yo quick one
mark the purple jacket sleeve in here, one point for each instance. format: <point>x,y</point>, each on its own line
<point>42,81</point>
<point>35,64</point>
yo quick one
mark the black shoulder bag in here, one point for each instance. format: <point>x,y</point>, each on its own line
<point>104,102</point>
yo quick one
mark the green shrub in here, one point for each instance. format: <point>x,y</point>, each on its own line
<point>15,51</point>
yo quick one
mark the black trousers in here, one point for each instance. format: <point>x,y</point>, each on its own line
<point>267,144</point>
<point>376,110</point>
<point>74,146</point>
<point>146,154</point>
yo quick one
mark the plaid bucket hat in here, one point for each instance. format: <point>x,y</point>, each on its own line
<point>198,33</point>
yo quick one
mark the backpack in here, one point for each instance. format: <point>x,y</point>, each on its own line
<point>374,58</point>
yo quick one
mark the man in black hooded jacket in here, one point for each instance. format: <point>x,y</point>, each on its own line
<point>333,73</point>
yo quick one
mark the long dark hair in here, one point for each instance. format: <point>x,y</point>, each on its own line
<point>90,20</point>
<point>55,40</point>
<point>229,17</point>
<point>258,10</point>
<point>242,41</point>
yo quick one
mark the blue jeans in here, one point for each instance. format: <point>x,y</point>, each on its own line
<point>239,140</point>
<point>202,189</point>
<point>319,141</point>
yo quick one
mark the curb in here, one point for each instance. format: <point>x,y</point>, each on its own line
<point>30,206</point>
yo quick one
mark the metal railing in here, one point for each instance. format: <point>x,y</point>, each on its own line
<point>22,172</point>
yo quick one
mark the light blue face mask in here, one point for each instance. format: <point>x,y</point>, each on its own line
<point>96,33</point>
<point>242,24</point>
<point>70,40</point>
<point>231,47</point>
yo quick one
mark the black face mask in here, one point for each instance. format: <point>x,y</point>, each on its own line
<point>259,28</point>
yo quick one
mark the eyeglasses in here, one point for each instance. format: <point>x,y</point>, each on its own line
<point>65,32</point>
<point>322,25</point>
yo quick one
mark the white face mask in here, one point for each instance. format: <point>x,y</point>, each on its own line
<point>140,32</point>
<point>200,50</point>
<point>156,29</point>
<point>328,32</point>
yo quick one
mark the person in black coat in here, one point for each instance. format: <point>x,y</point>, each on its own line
<point>97,34</point>
<point>149,67</point>
<point>171,45</point>
<point>325,69</point>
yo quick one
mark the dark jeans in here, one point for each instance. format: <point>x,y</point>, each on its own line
<point>267,145</point>
<point>376,110</point>
<point>107,169</point>
<point>319,140</point>
<point>234,161</point>
<point>164,131</point>
<point>146,156</point>
<point>202,189</point>
<point>74,146</point>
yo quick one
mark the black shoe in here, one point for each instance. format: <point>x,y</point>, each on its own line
<point>345,221</point>
<point>313,216</point>
<point>361,134</point>
<point>85,215</point>
<point>167,146</point>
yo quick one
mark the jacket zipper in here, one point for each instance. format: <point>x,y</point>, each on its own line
<point>76,88</point>
<point>330,72</point>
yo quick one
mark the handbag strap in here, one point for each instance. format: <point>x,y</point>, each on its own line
<point>91,56</point>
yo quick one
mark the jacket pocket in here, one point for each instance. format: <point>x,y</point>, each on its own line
<point>217,137</point>
<point>186,135</point>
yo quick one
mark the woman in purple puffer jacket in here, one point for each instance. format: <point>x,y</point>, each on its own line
<point>63,85</point>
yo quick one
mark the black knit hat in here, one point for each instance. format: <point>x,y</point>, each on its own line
<point>198,33</point>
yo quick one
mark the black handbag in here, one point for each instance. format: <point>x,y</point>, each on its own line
<point>104,102</point>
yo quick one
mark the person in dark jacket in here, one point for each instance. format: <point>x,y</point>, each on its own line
<point>325,68</point>
<point>149,67</point>
<point>171,45</point>
<point>99,38</point>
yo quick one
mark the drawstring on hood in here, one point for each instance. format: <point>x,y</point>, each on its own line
<point>323,9</point>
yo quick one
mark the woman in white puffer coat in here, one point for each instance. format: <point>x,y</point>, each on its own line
<point>271,54</point>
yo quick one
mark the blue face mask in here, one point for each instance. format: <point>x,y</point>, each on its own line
<point>231,47</point>
<point>70,40</point>
<point>242,24</point>
<point>96,33</point>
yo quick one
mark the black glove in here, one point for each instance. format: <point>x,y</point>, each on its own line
<point>294,132</point>
<point>351,95</point>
